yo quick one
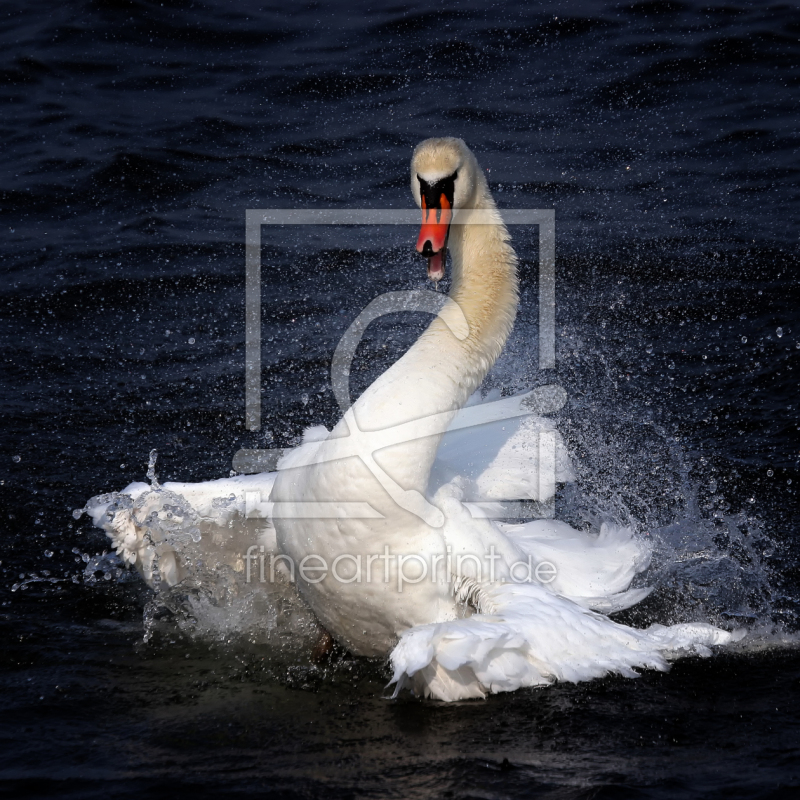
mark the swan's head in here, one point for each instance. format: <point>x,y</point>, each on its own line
<point>444,176</point>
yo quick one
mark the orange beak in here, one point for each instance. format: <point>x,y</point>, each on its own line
<point>432,240</point>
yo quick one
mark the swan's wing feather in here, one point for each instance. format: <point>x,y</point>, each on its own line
<point>533,639</point>
<point>611,603</point>
<point>214,521</point>
<point>593,569</point>
<point>506,453</point>
<point>230,515</point>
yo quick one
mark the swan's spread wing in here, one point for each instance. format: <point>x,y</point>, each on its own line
<point>215,522</point>
<point>504,454</point>
<point>592,569</point>
<point>532,639</point>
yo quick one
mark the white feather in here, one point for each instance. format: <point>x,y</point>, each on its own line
<point>532,639</point>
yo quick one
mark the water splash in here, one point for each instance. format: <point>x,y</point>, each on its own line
<point>714,559</point>
<point>151,470</point>
<point>206,592</point>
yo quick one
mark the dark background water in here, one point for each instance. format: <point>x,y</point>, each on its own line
<point>136,134</point>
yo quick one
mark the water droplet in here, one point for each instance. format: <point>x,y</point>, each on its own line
<point>16,459</point>
<point>78,513</point>
<point>744,340</point>
<point>751,499</point>
<point>151,470</point>
<point>788,481</point>
<point>671,365</point>
<point>649,348</point>
<point>770,473</point>
<point>713,316</point>
<point>191,341</point>
<point>304,399</point>
<point>779,332</point>
<point>48,553</point>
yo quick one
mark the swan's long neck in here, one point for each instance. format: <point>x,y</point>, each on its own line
<point>484,287</point>
<point>440,371</point>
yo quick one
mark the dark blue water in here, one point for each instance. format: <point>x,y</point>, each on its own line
<point>135,136</point>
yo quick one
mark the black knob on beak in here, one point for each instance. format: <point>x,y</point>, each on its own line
<point>427,249</point>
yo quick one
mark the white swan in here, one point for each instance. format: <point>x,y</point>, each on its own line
<point>453,598</point>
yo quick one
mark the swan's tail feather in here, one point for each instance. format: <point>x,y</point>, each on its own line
<point>534,639</point>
